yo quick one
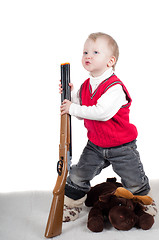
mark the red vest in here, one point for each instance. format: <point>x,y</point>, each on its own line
<point>117,130</point>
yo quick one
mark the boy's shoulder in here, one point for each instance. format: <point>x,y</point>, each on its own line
<point>112,80</point>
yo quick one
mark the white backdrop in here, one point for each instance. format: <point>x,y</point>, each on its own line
<point>35,37</point>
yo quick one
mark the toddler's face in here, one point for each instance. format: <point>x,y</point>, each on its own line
<point>96,56</point>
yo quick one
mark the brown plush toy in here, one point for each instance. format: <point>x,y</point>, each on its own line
<point>110,201</point>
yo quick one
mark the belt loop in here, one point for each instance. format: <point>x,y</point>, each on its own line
<point>105,153</point>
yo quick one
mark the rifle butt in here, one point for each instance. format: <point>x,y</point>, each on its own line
<point>54,224</point>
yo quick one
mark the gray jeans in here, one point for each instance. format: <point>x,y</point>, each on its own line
<point>125,161</point>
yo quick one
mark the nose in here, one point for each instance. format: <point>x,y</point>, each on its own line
<point>89,56</point>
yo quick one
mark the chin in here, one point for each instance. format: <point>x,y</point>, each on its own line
<point>88,68</point>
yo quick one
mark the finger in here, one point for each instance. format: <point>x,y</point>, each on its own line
<point>71,86</point>
<point>65,101</point>
<point>62,107</point>
<point>60,88</point>
<point>62,112</point>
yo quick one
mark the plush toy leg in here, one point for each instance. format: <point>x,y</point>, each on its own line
<point>95,220</point>
<point>146,221</point>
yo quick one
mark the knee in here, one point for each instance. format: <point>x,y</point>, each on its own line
<point>79,179</point>
<point>80,182</point>
<point>76,175</point>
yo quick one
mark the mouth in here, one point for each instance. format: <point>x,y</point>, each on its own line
<point>87,63</point>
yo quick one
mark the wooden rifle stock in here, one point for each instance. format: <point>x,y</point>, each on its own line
<point>54,224</point>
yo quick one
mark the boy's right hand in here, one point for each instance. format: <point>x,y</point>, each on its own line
<point>60,87</point>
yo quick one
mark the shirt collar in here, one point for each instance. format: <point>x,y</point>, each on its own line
<point>99,79</point>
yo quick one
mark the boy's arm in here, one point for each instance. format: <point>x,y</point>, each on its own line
<point>75,97</point>
<point>107,105</point>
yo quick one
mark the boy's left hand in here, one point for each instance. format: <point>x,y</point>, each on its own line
<point>65,106</point>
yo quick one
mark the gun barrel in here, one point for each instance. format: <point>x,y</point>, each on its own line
<point>65,80</point>
<point>66,94</point>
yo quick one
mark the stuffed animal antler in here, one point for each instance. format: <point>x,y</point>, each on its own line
<point>122,192</point>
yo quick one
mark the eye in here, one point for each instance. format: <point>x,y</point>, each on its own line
<point>85,53</point>
<point>96,52</point>
<point>120,204</point>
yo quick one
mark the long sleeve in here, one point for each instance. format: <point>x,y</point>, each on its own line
<point>75,97</point>
<point>107,105</point>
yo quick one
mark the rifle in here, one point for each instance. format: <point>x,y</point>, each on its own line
<point>54,224</point>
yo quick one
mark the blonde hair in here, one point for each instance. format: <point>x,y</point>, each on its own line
<point>111,42</point>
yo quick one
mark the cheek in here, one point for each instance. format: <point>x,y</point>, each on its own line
<point>102,63</point>
<point>82,60</point>
<point>102,59</point>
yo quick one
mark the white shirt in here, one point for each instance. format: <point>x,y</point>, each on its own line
<point>107,105</point>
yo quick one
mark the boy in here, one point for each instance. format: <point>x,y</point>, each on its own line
<point>103,102</point>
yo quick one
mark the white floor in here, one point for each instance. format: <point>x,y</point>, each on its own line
<point>23,216</point>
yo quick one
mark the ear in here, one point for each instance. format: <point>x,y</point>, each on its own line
<point>105,198</point>
<point>112,61</point>
<point>113,180</point>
